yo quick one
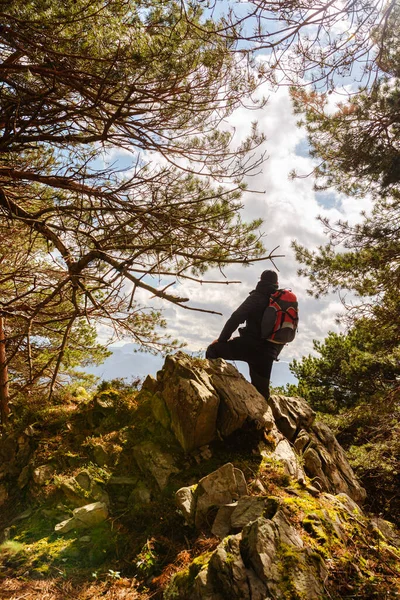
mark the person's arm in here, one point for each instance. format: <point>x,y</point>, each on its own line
<point>237,317</point>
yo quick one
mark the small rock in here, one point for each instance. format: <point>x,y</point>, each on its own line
<point>65,526</point>
<point>205,452</point>
<point>82,488</point>
<point>258,486</point>
<point>185,500</point>
<point>222,522</point>
<point>221,487</point>
<point>84,517</point>
<point>152,459</point>
<point>43,474</point>
<point>30,431</point>
<point>248,508</point>
<point>72,492</point>
<point>84,480</point>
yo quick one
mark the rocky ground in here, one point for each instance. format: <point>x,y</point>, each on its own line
<point>193,488</point>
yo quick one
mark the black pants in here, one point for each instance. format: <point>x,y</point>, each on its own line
<point>258,354</point>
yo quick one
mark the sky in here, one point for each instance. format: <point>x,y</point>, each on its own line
<point>289,209</point>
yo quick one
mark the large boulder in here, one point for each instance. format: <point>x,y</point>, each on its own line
<point>326,464</point>
<point>191,401</point>
<point>268,558</point>
<point>218,488</point>
<point>291,415</point>
<point>292,546</point>
<point>239,400</point>
<point>201,400</point>
<point>221,487</point>
<point>324,460</point>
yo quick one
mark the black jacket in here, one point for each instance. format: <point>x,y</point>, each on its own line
<point>251,311</point>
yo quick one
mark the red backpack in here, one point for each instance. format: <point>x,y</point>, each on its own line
<point>281,317</point>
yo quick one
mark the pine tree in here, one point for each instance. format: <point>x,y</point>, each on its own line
<point>79,80</point>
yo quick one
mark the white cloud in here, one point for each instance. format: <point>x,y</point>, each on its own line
<point>289,209</point>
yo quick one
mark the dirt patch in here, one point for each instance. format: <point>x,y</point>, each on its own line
<point>58,589</point>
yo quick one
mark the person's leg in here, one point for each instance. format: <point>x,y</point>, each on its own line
<point>260,375</point>
<point>240,348</point>
<point>235,349</point>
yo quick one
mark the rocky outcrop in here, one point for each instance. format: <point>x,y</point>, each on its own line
<point>323,459</point>
<point>271,546</point>
<point>186,401</point>
<point>280,551</point>
<point>268,506</point>
<point>200,400</point>
<point>291,415</point>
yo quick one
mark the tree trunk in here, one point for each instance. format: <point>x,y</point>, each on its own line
<point>4,396</point>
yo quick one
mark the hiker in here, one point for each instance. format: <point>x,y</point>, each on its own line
<point>249,346</point>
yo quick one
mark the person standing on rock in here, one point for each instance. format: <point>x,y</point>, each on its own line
<point>249,346</point>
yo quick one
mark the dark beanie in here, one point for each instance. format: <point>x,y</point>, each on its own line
<point>269,276</point>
